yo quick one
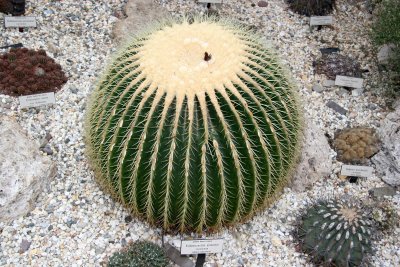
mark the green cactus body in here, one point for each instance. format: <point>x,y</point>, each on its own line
<point>194,126</point>
<point>336,233</point>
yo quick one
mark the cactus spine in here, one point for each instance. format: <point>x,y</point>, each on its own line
<point>336,233</point>
<point>194,125</point>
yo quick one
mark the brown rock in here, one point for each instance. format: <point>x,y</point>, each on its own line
<point>262,4</point>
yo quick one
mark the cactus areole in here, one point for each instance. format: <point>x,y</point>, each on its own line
<point>193,126</point>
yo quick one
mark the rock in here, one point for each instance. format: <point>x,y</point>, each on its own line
<point>315,161</point>
<point>24,172</point>
<point>262,4</point>
<point>382,191</point>
<point>276,241</point>
<point>385,53</point>
<point>336,107</point>
<point>387,161</point>
<point>317,88</point>
<point>328,83</point>
<point>128,219</point>
<point>24,246</point>
<point>357,92</point>
<point>139,14</point>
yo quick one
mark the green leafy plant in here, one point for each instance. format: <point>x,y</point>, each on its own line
<point>386,30</point>
<point>194,126</point>
<point>336,233</point>
<point>139,254</point>
<point>312,7</point>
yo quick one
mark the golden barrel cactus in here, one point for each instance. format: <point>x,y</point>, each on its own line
<point>194,125</point>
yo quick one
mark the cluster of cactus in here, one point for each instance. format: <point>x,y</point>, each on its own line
<point>312,7</point>
<point>194,126</point>
<point>336,233</point>
<point>139,254</point>
<point>336,64</point>
<point>14,7</point>
<point>355,145</point>
<point>24,71</point>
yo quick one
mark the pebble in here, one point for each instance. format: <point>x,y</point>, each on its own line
<point>24,246</point>
<point>336,107</point>
<point>262,4</point>
<point>317,88</point>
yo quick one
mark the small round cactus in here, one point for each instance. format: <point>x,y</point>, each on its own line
<point>336,233</point>
<point>194,126</point>
<point>139,254</point>
<point>355,145</point>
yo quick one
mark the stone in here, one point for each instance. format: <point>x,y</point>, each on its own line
<point>387,161</point>
<point>328,83</point>
<point>382,191</point>
<point>24,246</point>
<point>357,92</point>
<point>139,13</point>
<point>385,53</point>
<point>317,88</point>
<point>336,107</point>
<point>24,172</point>
<point>175,255</point>
<point>262,4</point>
<point>315,162</point>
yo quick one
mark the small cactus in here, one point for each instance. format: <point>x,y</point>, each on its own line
<point>336,64</point>
<point>24,71</point>
<point>336,233</point>
<point>355,145</point>
<point>139,254</point>
<point>312,7</point>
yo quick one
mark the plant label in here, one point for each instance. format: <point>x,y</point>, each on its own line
<point>29,101</point>
<point>349,81</point>
<point>20,22</point>
<point>357,171</point>
<point>211,1</point>
<point>321,20</point>
<point>201,246</point>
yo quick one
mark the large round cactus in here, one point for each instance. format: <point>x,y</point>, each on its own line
<point>194,125</point>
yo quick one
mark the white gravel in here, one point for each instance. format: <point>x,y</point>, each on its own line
<point>76,224</point>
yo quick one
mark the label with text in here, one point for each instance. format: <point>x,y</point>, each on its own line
<point>349,81</point>
<point>201,246</point>
<point>357,171</point>
<point>321,20</point>
<point>211,1</point>
<point>30,101</point>
<point>20,22</point>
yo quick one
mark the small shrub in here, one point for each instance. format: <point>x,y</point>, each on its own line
<point>139,254</point>
<point>312,7</point>
<point>24,71</point>
<point>386,30</point>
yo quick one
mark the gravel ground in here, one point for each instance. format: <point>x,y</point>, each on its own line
<point>75,224</point>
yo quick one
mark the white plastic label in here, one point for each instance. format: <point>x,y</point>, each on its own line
<point>37,100</point>
<point>349,81</point>
<point>201,246</point>
<point>211,1</point>
<point>321,20</point>
<point>20,22</point>
<point>358,171</point>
